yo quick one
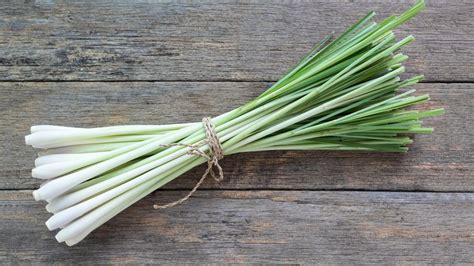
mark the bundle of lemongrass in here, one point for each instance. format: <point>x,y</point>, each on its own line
<point>342,96</point>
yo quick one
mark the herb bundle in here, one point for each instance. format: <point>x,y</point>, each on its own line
<point>344,95</point>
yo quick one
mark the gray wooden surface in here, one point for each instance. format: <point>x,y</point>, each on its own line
<point>127,62</point>
<point>257,226</point>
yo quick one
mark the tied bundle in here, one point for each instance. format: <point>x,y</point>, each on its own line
<point>345,94</point>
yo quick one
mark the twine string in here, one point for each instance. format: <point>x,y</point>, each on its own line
<point>215,154</point>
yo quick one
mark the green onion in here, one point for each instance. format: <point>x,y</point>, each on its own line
<point>344,95</point>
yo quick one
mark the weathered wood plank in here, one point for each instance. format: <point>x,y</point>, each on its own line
<point>442,161</point>
<point>263,226</point>
<point>251,40</point>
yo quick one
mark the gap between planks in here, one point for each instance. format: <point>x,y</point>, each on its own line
<point>201,81</point>
<point>20,190</point>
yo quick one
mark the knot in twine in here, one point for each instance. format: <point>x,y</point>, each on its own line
<point>215,154</point>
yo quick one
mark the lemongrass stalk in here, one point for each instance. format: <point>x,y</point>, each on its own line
<point>77,196</point>
<point>341,96</point>
<point>157,162</point>
<point>92,140</point>
<point>80,228</point>
<point>114,129</point>
<point>91,205</point>
<point>39,128</point>
<point>61,184</point>
<point>64,183</point>
<point>311,127</point>
<point>85,148</point>
<point>60,158</point>
<point>57,169</point>
<point>240,141</point>
<point>68,181</point>
<point>56,136</point>
<point>64,217</point>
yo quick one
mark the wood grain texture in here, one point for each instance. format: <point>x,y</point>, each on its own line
<point>442,161</point>
<point>250,40</point>
<point>254,227</point>
<point>213,57</point>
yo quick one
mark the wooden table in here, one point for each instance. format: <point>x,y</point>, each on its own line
<point>127,62</point>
